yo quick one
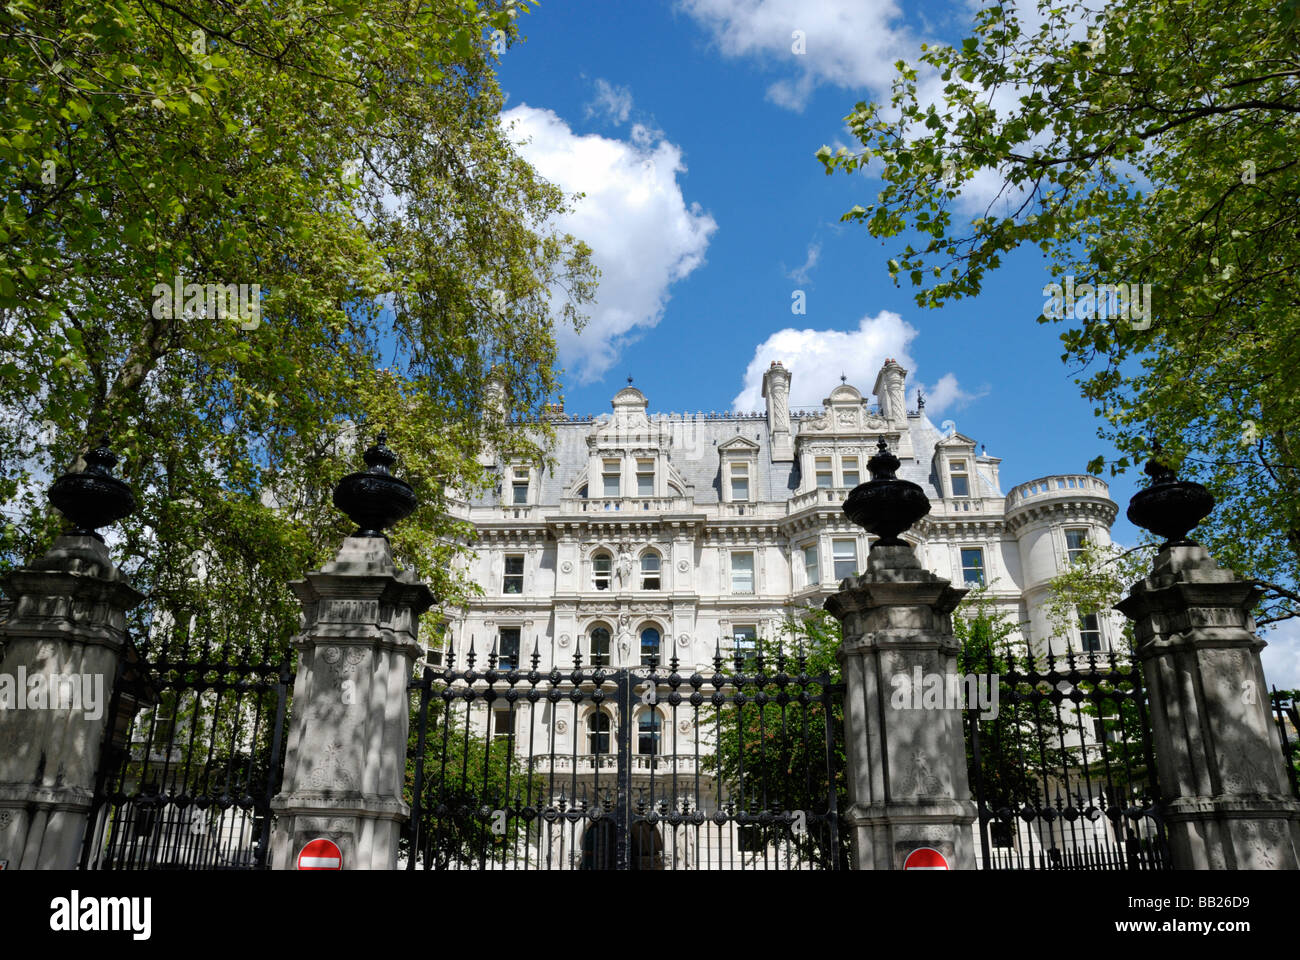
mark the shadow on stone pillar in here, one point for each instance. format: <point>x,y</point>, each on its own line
<point>1226,796</point>
<point>907,779</point>
<point>346,760</point>
<point>61,645</point>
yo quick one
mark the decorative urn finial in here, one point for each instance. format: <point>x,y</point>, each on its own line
<point>1169,507</point>
<point>374,499</point>
<point>93,498</point>
<point>885,505</point>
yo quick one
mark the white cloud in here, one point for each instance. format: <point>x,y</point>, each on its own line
<point>643,234</point>
<point>817,358</point>
<point>846,43</point>
<point>1281,657</point>
<point>612,102</point>
<point>800,274</point>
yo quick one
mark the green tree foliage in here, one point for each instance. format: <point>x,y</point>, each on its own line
<point>1152,144</point>
<point>467,778</point>
<point>344,156</point>
<point>773,757</point>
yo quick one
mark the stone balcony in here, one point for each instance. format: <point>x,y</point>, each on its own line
<point>1060,486</point>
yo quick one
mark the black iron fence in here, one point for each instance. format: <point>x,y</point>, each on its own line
<point>1064,775</point>
<point>595,768</point>
<point>189,768</point>
<point>1286,710</point>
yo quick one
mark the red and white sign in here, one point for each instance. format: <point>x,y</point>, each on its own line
<point>925,858</point>
<point>321,854</point>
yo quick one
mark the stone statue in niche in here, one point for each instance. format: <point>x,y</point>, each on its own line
<point>625,564</point>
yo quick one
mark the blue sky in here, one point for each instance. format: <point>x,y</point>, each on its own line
<point>691,126</point>
<point>747,217</point>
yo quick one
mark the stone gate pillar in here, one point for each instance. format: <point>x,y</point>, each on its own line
<point>907,780</point>
<point>59,653</point>
<point>1226,796</point>
<point>346,759</point>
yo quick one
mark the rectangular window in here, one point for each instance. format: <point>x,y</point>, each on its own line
<point>960,478</point>
<point>811,568</point>
<point>645,478</point>
<point>1075,541</point>
<point>825,477</point>
<point>514,578</point>
<point>740,482</point>
<point>849,471</point>
<point>503,724</point>
<point>972,565</point>
<point>647,742</point>
<point>744,643</point>
<point>650,571</point>
<point>742,573</point>
<point>508,648</point>
<point>602,565</point>
<point>519,484</point>
<point>846,558</point>
<point>610,476</point>
<point>1090,633</point>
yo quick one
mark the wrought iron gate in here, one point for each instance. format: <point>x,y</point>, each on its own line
<point>190,762</point>
<point>634,768</point>
<point>1064,776</point>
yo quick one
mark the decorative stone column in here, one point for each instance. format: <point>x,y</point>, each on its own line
<point>346,759</point>
<point>60,649</point>
<point>1226,798</point>
<point>907,779</point>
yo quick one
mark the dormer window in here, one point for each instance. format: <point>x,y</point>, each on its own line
<point>849,471</point>
<point>740,482</point>
<point>825,475</point>
<point>520,476</point>
<point>645,478</point>
<point>959,477</point>
<point>609,475</point>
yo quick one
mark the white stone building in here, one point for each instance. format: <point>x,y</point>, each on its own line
<point>675,535</point>
<point>669,533</point>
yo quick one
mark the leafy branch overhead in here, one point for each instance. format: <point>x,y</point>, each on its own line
<point>340,163</point>
<point>1154,144</point>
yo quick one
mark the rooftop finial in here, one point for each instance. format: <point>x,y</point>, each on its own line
<point>843,378</point>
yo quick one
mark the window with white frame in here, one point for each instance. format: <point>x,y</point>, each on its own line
<point>649,570</point>
<point>650,646</point>
<point>520,477</point>
<point>602,567</point>
<point>959,477</point>
<point>645,478</point>
<point>739,482</point>
<point>744,642</point>
<point>599,727</point>
<point>648,729</point>
<point>845,555</point>
<point>811,565</point>
<point>825,475</point>
<point>503,723</point>
<point>599,653</point>
<point>508,648</point>
<point>513,580</point>
<point>1076,538</point>
<point>849,471</point>
<point>972,565</point>
<point>1090,633</point>
<point>610,472</point>
<point>742,572</point>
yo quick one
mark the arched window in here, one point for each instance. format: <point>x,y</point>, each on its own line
<point>602,566</point>
<point>649,570</point>
<point>649,646</point>
<point>600,646</point>
<point>647,727</point>
<point>599,725</point>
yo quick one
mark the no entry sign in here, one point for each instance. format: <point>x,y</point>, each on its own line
<point>321,854</point>
<point>925,858</point>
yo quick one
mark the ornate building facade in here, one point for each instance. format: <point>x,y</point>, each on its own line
<point>676,534</point>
